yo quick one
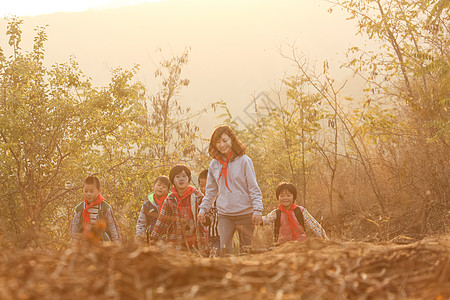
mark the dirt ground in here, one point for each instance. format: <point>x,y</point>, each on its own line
<point>315,269</point>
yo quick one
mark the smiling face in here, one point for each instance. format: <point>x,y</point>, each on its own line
<point>224,144</point>
<point>181,182</point>
<point>90,192</point>
<point>286,199</point>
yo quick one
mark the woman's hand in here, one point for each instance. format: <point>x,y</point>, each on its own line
<point>257,220</point>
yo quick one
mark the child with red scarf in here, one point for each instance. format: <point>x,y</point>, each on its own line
<point>151,208</point>
<point>178,216</point>
<point>93,219</point>
<point>213,232</point>
<point>290,219</point>
<point>232,184</point>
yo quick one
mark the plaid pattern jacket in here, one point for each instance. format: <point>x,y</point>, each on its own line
<point>169,221</point>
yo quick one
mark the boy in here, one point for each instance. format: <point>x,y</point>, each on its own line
<point>151,208</point>
<point>178,216</point>
<point>214,238</point>
<point>93,219</point>
<point>290,219</point>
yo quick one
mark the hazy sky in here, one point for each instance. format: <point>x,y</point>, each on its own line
<point>40,7</point>
<point>234,43</point>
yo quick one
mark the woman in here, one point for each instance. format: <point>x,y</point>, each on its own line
<point>232,178</point>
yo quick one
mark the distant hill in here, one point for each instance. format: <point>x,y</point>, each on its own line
<point>233,43</point>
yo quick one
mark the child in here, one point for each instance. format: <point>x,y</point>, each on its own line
<point>178,216</point>
<point>93,218</point>
<point>152,207</point>
<point>289,219</point>
<point>214,238</point>
<point>232,179</point>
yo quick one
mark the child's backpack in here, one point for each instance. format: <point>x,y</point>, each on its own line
<point>298,214</point>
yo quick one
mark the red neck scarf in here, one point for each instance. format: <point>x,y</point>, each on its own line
<point>160,200</point>
<point>224,168</point>
<point>290,218</point>
<point>183,199</point>
<point>85,215</point>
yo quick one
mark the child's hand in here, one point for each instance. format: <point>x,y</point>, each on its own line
<point>201,217</point>
<point>257,220</point>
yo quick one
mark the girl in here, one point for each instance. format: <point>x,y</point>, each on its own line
<point>231,177</point>
<point>290,219</point>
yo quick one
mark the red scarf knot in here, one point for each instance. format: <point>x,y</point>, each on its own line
<point>160,201</point>
<point>85,215</point>
<point>224,168</point>
<point>290,218</point>
<point>183,200</point>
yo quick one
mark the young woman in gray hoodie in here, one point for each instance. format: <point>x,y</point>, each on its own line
<point>232,178</point>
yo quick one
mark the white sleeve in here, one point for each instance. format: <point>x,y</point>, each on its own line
<point>253,188</point>
<point>314,225</point>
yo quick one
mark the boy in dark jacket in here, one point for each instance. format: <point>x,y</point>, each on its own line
<point>151,208</point>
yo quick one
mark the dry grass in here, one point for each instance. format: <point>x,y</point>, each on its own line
<point>315,269</point>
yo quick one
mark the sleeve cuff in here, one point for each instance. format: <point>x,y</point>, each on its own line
<point>257,212</point>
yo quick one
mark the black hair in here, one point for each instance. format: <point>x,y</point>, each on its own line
<point>236,146</point>
<point>163,179</point>
<point>177,170</point>
<point>92,180</point>
<point>286,186</point>
<point>203,175</point>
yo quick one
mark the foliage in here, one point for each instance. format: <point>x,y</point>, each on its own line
<point>381,160</point>
<point>55,130</point>
<point>407,93</point>
<point>394,140</point>
<point>176,132</point>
